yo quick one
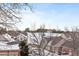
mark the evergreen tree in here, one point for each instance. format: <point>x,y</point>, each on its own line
<point>23,48</point>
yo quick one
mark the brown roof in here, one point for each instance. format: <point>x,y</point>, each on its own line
<point>13,33</point>
<point>55,40</point>
<point>69,44</point>
<point>16,33</point>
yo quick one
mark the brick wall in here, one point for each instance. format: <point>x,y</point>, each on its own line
<point>9,53</point>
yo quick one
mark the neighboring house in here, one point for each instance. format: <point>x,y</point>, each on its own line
<point>18,36</point>
<point>8,46</point>
<point>55,39</point>
<point>55,44</point>
<point>68,45</point>
<point>61,43</point>
<point>39,36</point>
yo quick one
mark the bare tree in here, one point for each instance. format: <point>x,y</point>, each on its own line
<point>74,34</point>
<point>40,45</point>
<point>10,13</point>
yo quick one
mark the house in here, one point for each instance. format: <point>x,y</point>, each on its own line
<point>8,46</point>
<point>55,39</point>
<point>66,45</point>
<point>55,44</point>
<point>60,44</point>
<point>63,45</point>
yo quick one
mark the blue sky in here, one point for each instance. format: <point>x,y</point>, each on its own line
<point>52,15</point>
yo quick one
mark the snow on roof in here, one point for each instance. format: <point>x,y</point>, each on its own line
<point>6,38</point>
<point>5,46</point>
<point>39,37</point>
<point>2,38</point>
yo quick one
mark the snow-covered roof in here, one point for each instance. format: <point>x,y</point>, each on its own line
<point>8,37</point>
<point>4,40</point>
<point>39,37</point>
<point>5,46</point>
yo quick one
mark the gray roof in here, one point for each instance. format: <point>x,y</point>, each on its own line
<point>13,43</point>
<point>13,33</point>
<point>71,44</point>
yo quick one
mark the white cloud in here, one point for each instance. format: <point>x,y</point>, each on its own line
<point>29,19</point>
<point>51,19</point>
